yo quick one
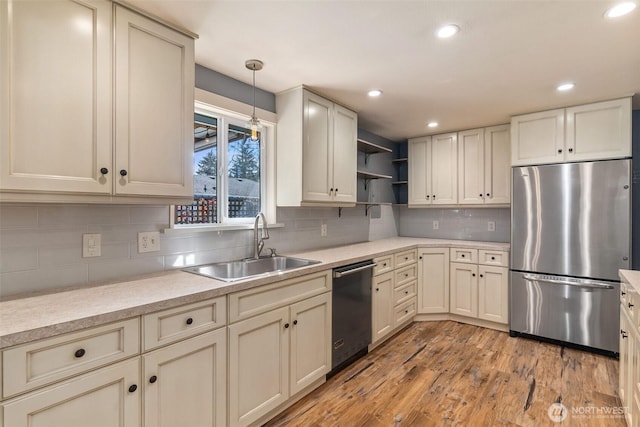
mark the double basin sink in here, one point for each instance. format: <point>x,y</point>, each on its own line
<point>246,268</point>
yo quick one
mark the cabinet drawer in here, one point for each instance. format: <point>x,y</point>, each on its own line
<point>258,300</point>
<point>405,292</point>
<point>36,364</point>
<point>464,255</point>
<point>497,258</point>
<point>406,275</point>
<point>405,312</point>
<point>383,264</point>
<point>182,322</point>
<point>406,258</point>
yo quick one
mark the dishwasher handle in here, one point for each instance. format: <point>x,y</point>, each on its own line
<point>337,274</point>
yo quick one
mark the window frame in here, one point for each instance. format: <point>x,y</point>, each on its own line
<point>226,116</point>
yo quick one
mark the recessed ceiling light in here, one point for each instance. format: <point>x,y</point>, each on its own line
<point>447,31</point>
<point>620,9</point>
<point>565,87</point>
<point>374,92</point>
<point>432,124</point>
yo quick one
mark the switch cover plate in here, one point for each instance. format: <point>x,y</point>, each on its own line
<point>436,224</point>
<point>323,230</point>
<point>148,241</point>
<point>91,244</point>
<point>491,226</point>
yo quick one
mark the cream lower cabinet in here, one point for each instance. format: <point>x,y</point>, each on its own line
<point>185,383</point>
<point>433,274</point>
<point>479,290</point>
<point>394,290</point>
<point>108,397</point>
<point>629,369</point>
<point>275,353</point>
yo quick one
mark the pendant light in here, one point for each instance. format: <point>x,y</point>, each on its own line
<point>254,124</point>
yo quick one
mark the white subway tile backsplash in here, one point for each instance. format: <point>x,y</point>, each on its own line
<point>42,279</point>
<point>18,216</point>
<point>112,270</point>
<point>15,238</point>
<point>18,259</point>
<point>150,215</point>
<point>64,216</point>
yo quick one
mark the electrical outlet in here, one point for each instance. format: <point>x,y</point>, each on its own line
<point>148,241</point>
<point>91,244</point>
<point>436,225</point>
<point>323,230</point>
<point>491,226</point>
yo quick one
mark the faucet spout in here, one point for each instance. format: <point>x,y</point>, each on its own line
<point>258,239</point>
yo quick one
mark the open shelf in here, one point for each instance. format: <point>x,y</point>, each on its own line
<point>371,175</point>
<point>399,182</point>
<point>371,148</point>
<point>402,160</point>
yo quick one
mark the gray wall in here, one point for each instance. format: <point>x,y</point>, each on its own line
<point>635,224</point>
<point>457,224</point>
<point>378,190</point>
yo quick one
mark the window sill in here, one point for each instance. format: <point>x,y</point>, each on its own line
<point>202,228</point>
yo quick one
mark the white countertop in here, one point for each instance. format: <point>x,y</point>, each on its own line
<point>631,277</point>
<point>34,317</point>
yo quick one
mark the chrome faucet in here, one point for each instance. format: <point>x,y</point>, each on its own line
<point>258,241</point>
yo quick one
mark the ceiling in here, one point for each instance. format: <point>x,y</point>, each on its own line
<point>507,58</point>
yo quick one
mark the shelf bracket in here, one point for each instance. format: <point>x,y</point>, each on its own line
<point>366,157</point>
<point>339,212</point>
<point>366,182</point>
<point>366,209</point>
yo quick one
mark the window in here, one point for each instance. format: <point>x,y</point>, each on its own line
<point>228,169</point>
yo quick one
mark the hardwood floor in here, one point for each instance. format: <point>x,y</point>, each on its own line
<point>448,373</point>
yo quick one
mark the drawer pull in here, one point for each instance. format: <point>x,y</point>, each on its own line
<point>132,388</point>
<point>79,353</point>
<point>406,312</point>
<point>189,320</point>
<point>406,258</point>
<point>406,292</point>
<point>462,255</point>
<point>630,305</point>
<point>406,274</point>
<point>623,333</point>
<point>623,293</point>
<point>153,379</point>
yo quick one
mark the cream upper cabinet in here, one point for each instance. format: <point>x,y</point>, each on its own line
<point>316,149</point>
<point>433,280</point>
<point>471,166</point>
<point>179,378</point>
<point>433,170</point>
<point>497,165</point>
<point>154,75</point>
<point>99,104</point>
<point>595,131</point>
<point>56,103</point>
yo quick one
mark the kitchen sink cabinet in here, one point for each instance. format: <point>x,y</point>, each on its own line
<point>433,280</point>
<point>276,354</point>
<point>115,123</point>
<point>484,166</point>
<point>595,131</point>
<point>433,164</point>
<point>317,141</point>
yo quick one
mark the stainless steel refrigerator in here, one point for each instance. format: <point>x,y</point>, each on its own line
<point>570,233</point>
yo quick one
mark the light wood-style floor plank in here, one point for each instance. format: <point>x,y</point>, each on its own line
<point>452,374</point>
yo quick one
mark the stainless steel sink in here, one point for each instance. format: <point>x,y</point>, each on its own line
<point>238,270</point>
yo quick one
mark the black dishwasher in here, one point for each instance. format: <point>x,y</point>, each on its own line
<point>351,313</point>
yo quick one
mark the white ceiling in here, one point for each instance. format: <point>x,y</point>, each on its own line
<point>507,59</point>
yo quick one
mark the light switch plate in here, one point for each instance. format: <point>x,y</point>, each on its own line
<point>436,225</point>
<point>148,241</point>
<point>323,230</point>
<point>491,226</point>
<point>91,245</point>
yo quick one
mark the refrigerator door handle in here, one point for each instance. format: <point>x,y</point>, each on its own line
<point>585,284</point>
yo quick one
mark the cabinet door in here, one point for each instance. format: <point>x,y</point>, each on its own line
<point>464,289</point>
<point>382,310</point>
<point>433,280</point>
<point>317,150</point>
<point>258,366</point>
<point>497,165</point>
<point>310,341</point>
<point>154,80</point>
<point>624,372</point>
<point>99,399</point>
<point>599,131</point>
<point>419,171</point>
<point>186,383</point>
<point>345,154</point>
<point>471,166</point>
<point>444,169</point>
<point>493,294</point>
<point>537,138</point>
<point>55,118</point>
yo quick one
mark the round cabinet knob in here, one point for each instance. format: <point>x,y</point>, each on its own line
<point>330,190</point>
<point>406,312</point>
<point>286,326</point>
<point>488,195</point>
<point>623,293</point>
<point>295,322</point>
<point>473,274</point>
<point>481,275</point>
<point>336,191</point>
<point>571,150</point>
<point>434,196</point>
<point>480,194</point>
<point>189,321</point>
<point>132,388</point>
<point>626,187</point>
<point>493,258</point>
<point>377,289</point>
<point>406,258</point>
<point>123,172</point>
<point>462,255</point>
<point>406,292</point>
<point>79,353</point>
<point>384,265</point>
<point>153,379</point>
<point>559,150</point>
<point>428,196</point>
<point>104,171</point>
<point>406,274</point>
